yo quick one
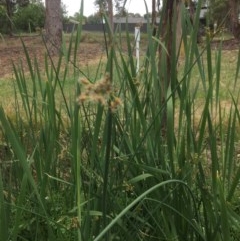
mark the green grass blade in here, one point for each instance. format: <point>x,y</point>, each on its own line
<point>3,218</point>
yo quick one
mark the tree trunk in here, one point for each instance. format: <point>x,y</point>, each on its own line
<point>168,37</point>
<point>235,26</point>
<point>110,13</point>
<point>53,26</point>
<point>154,17</point>
<point>179,46</point>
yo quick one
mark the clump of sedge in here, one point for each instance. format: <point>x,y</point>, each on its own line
<point>100,92</point>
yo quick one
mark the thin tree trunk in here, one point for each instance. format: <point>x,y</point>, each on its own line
<point>179,27</point>
<point>53,26</point>
<point>110,13</point>
<point>154,17</point>
<point>235,26</point>
<point>168,37</point>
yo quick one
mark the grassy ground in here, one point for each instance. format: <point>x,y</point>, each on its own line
<point>87,154</point>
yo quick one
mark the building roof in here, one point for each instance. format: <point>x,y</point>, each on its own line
<point>137,20</point>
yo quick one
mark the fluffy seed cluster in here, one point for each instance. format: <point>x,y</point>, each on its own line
<point>100,92</point>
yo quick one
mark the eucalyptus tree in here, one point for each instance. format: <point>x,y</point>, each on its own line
<point>168,36</point>
<point>53,25</point>
<point>120,7</point>
<point>101,5</point>
<point>154,16</point>
<point>107,6</point>
<point>234,17</point>
<point>110,13</point>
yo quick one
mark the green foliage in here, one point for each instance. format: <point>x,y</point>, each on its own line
<point>4,27</point>
<point>219,11</point>
<point>120,8</point>
<point>29,18</point>
<point>94,18</point>
<point>101,5</point>
<point>65,17</point>
<point>93,158</point>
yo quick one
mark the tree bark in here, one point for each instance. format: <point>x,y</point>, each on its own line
<point>53,26</point>
<point>179,27</point>
<point>154,17</point>
<point>172,7</point>
<point>234,22</point>
<point>168,37</point>
<point>110,13</point>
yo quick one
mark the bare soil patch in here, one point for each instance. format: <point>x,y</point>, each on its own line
<point>12,52</point>
<point>229,44</point>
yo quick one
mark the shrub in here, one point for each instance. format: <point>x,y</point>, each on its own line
<point>4,26</point>
<point>29,18</point>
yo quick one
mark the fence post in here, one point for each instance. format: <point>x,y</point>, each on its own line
<point>137,39</point>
